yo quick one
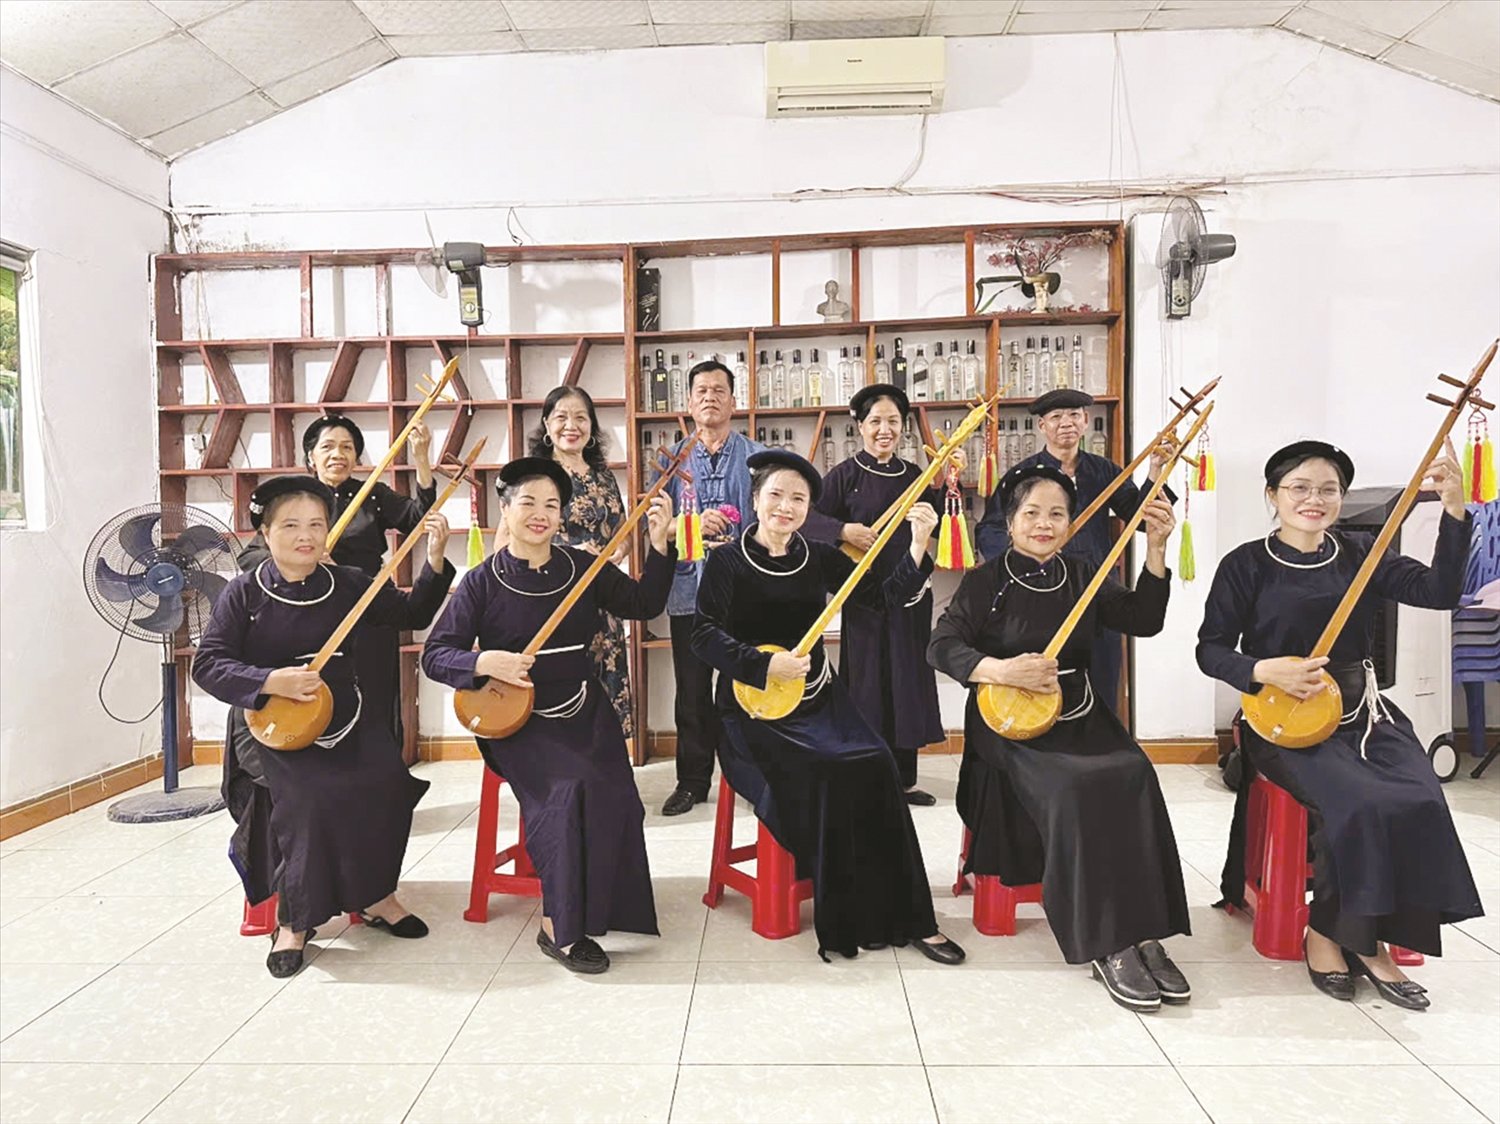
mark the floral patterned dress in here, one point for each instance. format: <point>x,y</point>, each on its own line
<point>593,516</point>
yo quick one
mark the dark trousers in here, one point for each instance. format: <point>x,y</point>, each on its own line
<point>906,765</point>
<point>698,729</point>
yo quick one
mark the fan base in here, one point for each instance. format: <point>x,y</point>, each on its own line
<point>160,807</point>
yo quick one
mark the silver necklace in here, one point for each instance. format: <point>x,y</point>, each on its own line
<point>896,463</point>
<point>776,573</point>
<point>1062,562</point>
<point>500,577</point>
<point>1303,565</point>
<point>261,581</point>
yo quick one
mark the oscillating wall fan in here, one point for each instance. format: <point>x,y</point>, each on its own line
<point>153,573</point>
<point>1186,251</point>
<point>462,258</point>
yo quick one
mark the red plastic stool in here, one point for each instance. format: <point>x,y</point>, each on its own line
<point>260,920</point>
<point>994,902</point>
<point>775,893</point>
<point>523,882</point>
<point>1277,872</point>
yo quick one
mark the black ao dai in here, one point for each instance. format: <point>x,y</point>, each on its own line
<point>1078,809</point>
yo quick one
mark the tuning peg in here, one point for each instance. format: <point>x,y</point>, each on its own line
<point>1451,381</point>
<point>1475,400</point>
<point>1440,401</point>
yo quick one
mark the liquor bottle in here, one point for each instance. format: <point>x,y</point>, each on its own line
<point>659,386</point>
<point>1044,368</point>
<point>882,368</point>
<point>814,380</point>
<point>974,452</point>
<point>1012,371</point>
<point>921,373</point>
<point>643,403</point>
<point>797,380</point>
<point>760,434</point>
<point>909,445</point>
<point>937,374</point>
<point>1012,447</point>
<point>1075,365</point>
<point>973,373</point>
<point>775,439</point>
<point>778,384</point>
<point>1062,368</point>
<point>661,440</point>
<point>846,377</point>
<point>648,460</point>
<point>1099,440</point>
<point>678,396</point>
<point>1028,369</point>
<point>1028,441</point>
<point>856,373</point>
<point>955,373</point>
<point>899,373</point>
<point>851,446</point>
<point>763,383</point>
<point>741,383</point>
<point>827,449</point>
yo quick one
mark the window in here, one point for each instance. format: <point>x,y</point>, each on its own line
<point>13,273</point>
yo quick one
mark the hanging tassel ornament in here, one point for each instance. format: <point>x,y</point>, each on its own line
<point>476,536</point>
<point>1205,478</point>
<point>989,466</point>
<point>955,549</point>
<point>1480,484</point>
<point>689,528</point>
<point>1187,563</point>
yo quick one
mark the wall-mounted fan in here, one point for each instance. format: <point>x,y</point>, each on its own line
<point>462,258</point>
<point>153,573</point>
<point>1186,251</point>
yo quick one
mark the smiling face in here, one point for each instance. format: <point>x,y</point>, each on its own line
<point>568,424</point>
<point>1063,429</point>
<point>296,532</point>
<point>781,501</point>
<point>334,456</point>
<point>532,511</point>
<point>1040,520</point>
<point>881,429</point>
<point>1309,497</point>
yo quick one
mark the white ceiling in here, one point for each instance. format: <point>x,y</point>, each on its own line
<point>176,74</point>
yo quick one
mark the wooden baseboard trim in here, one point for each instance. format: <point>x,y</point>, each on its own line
<point>66,799</point>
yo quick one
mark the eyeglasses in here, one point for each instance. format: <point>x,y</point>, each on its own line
<point>1328,493</point>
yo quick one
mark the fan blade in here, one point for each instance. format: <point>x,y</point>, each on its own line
<point>197,538</point>
<point>207,584</point>
<point>136,535</point>
<point>166,617</point>
<point>114,586</point>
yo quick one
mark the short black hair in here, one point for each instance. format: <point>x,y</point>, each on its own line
<point>522,469</point>
<point>710,365</point>
<point>1298,453</point>
<point>271,494</point>
<point>314,431</point>
<point>1017,484</point>
<point>764,464</point>
<point>593,450</point>
<point>865,397</point>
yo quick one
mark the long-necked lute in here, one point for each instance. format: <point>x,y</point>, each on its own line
<point>779,697</point>
<point>433,395</point>
<point>1014,712</point>
<point>1292,723</point>
<point>498,710</point>
<point>289,724</point>
<point>889,513</point>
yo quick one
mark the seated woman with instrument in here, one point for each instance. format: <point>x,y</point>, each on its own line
<point>567,762</point>
<point>1077,808</point>
<point>1387,862</point>
<point>820,779</point>
<point>332,835</point>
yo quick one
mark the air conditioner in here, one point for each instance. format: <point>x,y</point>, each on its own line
<point>845,77</point>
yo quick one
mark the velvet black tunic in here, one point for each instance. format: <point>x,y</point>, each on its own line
<point>332,836</point>
<point>883,649</point>
<point>821,780</point>
<point>568,764</point>
<point>1078,809</point>
<point>1384,844</point>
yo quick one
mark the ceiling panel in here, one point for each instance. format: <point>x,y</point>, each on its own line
<point>827,10</point>
<point>856,29</point>
<point>1445,68</point>
<point>588,38</point>
<point>1052,22</point>
<point>456,43</point>
<point>992,24</point>
<point>974,7</point>
<point>1328,29</point>
<point>46,41</point>
<point>326,75</point>
<point>529,14</point>
<point>679,34</point>
<point>1468,32</point>
<point>189,12</point>
<point>268,40</point>
<point>702,12</point>
<point>214,125</point>
<point>1389,17</point>
<point>424,17</point>
<point>1224,15</point>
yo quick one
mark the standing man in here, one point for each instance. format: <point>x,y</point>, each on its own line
<point>719,478</point>
<point>1064,418</point>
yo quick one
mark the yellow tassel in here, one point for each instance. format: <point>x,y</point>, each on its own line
<point>1187,564</point>
<point>955,549</point>
<point>1210,473</point>
<point>1489,488</point>
<point>945,544</point>
<point>689,537</point>
<point>989,474</point>
<point>476,546</point>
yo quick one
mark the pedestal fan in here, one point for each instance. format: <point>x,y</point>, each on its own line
<point>153,574</point>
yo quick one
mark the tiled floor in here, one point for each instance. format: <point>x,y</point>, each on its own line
<point>127,994</point>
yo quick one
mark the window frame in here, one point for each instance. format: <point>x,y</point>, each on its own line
<point>23,262</point>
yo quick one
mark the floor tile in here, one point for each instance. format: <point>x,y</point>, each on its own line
<point>784,1014</point>
<point>293,1094</point>
<point>1268,1013</point>
<point>362,1012</point>
<point>1465,1011</point>
<point>729,937</point>
<point>105,835</point>
<point>450,940</point>
<point>1043,1094</point>
<point>169,870</point>
<point>1023,1015</point>
<point>557,1094</point>
<point>1346,1094</point>
<point>681,917</point>
<point>36,873</point>
<point>441,866</point>
<point>211,935</point>
<point>30,990</point>
<point>1477,1084</point>
<point>137,1012</point>
<point>13,908</point>
<point>71,1093</point>
<point>801,1094</point>
<point>1485,930</point>
<point>91,929</point>
<point>541,1012</point>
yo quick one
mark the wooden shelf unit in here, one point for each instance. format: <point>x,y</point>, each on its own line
<point>230,410</point>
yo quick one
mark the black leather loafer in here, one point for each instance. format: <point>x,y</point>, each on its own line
<point>1129,984</point>
<point>680,802</point>
<point>944,952</point>
<point>1336,985</point>
<point>410,927</point>
<point>1169,979</point>
<point>917,798</point>
<point>585,957</point>
<point>1403,993</point>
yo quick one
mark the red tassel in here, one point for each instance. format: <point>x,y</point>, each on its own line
<point>1476,478</point>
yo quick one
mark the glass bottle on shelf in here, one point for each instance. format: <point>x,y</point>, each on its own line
<point>955,373</point>
<point>899,373</point>
<point>1013,371</point>
<point>910,447</point>
<point>741,383</point>
<point>1099,440</point>
<point>660,394</point>
<point>1062,367</point>
<point>974,452</point>
<point>827,449</point>
<point>851,446</point>
<point>1097,373</point>
<point>775,438</point>
<point>937,374</point>
<point>882,368</point>
<point>973,373</point>
<point>797,380</point>
<point>814,380</point>
<point>1012,447</point>
<point>678,396</point>
<point>763,383</point>
<point>856,373</point>
<point>778,384</point>
<point>648,460</point>
<point>845,376</point>
<point>1044,368</point>
<point>1075,364</point>
<point>661,440</point>
<point>921,384</point>
<point>1028,369</point>
<point>643,403</point>
<point>1028,441</point>
<point>760,434</point>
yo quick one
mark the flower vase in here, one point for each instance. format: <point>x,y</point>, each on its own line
<point>1039,292</point>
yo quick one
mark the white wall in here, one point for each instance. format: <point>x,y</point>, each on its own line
<point>1367,204</point>
<point>89,203</point>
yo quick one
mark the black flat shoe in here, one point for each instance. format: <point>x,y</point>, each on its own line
<point>919,799</point>
<point>1169,979</point>
<point>1337,985</point>
<point>947,952</point>
<point>288,962</point>
<point>680,802</point>
<point>410,927</point>
<point>874,946</point>
<point>1129,984</point>
<point>1403,993</point>
<point>585,957</point>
